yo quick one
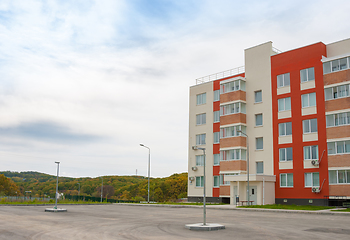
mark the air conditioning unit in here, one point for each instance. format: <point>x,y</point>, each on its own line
<point>316,190</point>
<point>191,179</point>
<point>194,168</point>
<point>315,162</point>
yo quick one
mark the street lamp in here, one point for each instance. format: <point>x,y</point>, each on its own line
<point>149,165</point>
<point>239,131</point>
<point>58,167</point>
<point>102,188</point>
<point>204,185</point>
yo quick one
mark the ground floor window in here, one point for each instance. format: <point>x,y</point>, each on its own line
<point>200,181</point>
<point>286,180</point>
<point>312,179</point>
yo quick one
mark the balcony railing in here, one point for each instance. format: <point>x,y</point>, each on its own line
<point>224,74</point>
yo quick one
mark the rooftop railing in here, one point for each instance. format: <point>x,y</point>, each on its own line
<point>219,75</point>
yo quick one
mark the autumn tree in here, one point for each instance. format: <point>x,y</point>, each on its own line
<point>7,186</point>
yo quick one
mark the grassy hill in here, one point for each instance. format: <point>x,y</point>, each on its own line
<point>117,187</point>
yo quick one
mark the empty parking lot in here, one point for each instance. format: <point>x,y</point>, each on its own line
<point>151,222</point>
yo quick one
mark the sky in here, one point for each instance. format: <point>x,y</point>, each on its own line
<point>85,82</point>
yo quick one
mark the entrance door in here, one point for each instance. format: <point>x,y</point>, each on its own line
<point>252,194</point>
<point>235,194</point>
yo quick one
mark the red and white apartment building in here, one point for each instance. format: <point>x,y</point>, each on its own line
<point>294,106</point>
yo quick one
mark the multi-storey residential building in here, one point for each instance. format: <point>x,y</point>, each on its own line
<point>290,112</point>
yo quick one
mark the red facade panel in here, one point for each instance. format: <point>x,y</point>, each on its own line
<point>292,62</point>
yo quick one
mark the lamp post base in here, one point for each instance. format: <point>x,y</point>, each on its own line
<point>55,210</point>
<point>207,227</point>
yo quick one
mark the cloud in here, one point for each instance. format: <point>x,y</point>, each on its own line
<point>48,132</point>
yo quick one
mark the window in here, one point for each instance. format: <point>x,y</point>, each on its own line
<point>238,107</point>
<point>285,129</point>
<point>286,180</point>
<point>336,92</point>
<point>259,167</point>
<point>258,96</point>
<point>307,74</point>
<point>201,119</point>
<point>201,99</point>
<point>284,104</point>
<point>200,181</point>
<point>216,137</point>
<point>216,159</point>
<point>232,131</point>
<point>286,154</point>
<point>216,181</point>
<point>222,182</point>
<point>258,119</point>
<point>233,154</point>
<point>311,152</point>
<point>312,179</point>
<point>338,147</point>
<point>339,176</point>
<point>308,100</point>
<point>216,95</point>
<point>232,86</point>
<point>200,139</point>
<point>338,119</point>
<point>216,116</point>
<point>259,143</point>
<point>199,160</point>
<point>336,65</point>
<point>310,126</point>
<point>283,80</point>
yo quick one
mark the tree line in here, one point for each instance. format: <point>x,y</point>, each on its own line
<point>114,187</point>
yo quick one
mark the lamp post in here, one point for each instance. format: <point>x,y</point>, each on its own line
<point>149,165</point>
<point>102,188</point>
<point>204,185</point>
<point>248,197</point>
<point>58,168</point>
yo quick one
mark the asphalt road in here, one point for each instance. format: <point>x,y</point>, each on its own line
<point>149,222</point>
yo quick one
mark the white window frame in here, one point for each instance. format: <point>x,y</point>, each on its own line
<point>238,154</point>
<point>201,119</point>
<point>283,152</point>
<point>283,126</point>
<point>201,98</point>
<point>345,146</point>
<point>307,104</point>
<point>216,95</point>
<point>232,131</point>
<point>201,181</point>
<point>309,124</point>
<point>199,160</point>
<point>222,182</point>
<point>216,137</point>
<point>312,179</point>
<point>338,119</point>
<point>312,157</point>
<point>216,158</point>
<point>346,176</point>
<point>256,118</point>
<point>307,70</point>
<point>257,167</point>
<point>216,116</point>
<point>255,96</point>
<point>256,143</point>
<point>341,91</point>
<point>232,86</point>
<point>201,139</point>
<point>232,108</point>
<point>330,68</point>
<point>218,181</point>
<point>283,80</point>
<point>287,176</point>
<point>282,103</point>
